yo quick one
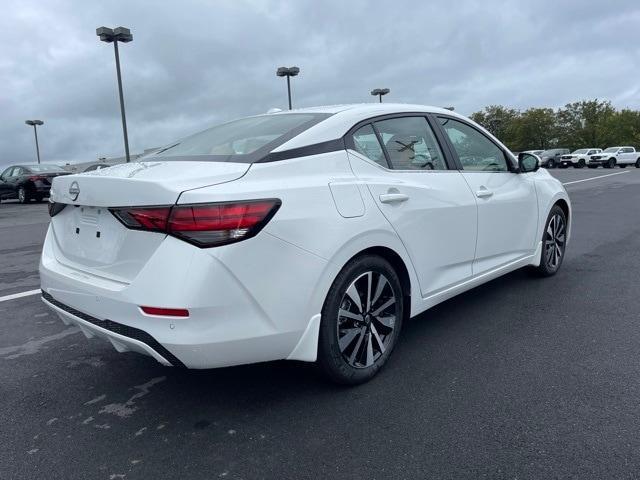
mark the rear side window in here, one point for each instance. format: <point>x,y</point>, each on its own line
<point>475,151</point>
<point>366,143</point>
<point>245,140</point>
<point>411,144</point>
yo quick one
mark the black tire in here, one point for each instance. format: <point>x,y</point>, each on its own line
<point>551,260</point>
<point>562,166</point>
<point>611,163</point>
<point>346,343</point>
<point>638,163</point>
<point>23,195</point>
<point>581,164</point>
<point>551,163</point>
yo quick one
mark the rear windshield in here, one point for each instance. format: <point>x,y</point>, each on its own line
<point>246,140</point>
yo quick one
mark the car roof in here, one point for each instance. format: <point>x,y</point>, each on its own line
<point>344,117</point>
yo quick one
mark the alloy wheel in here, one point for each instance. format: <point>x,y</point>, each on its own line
<point>21,195</point>
<point>555,241</point>
<point>366,319</point>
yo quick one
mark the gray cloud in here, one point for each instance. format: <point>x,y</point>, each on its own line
<point>193,63</point>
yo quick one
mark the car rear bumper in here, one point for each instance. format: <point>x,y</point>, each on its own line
<point>235,316</point>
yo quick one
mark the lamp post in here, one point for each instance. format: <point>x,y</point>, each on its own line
<point>34,124</point>
<point>380,92</point>
<point>115,35</point>
<point>288,72</point>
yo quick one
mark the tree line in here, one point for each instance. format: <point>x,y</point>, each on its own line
<point>587,123</point>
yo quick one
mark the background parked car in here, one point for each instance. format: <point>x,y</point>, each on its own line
<point>534,152</point>
<point>551,158</point>
<point>578,159</point>
<point>26,182</point>
<point>613,156</point>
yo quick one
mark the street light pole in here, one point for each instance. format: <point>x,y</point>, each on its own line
<point>35,124</point>
<point>288,72</point>
<point>380,92</point>
<point>120,34</point>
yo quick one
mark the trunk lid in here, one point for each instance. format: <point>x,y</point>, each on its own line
<point>142,183</point>
<point>86,235</point>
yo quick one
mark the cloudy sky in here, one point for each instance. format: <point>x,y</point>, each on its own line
<point>195,62</point>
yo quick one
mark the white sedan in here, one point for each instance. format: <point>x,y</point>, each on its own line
<point>305,235</point>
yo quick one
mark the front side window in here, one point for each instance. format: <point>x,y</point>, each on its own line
<point>366,143</point>
<point>244,140</point>
<point>475,151</point>
<point>411,144</point>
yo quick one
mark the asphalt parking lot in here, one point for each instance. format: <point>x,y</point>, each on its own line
<point>519,378</point>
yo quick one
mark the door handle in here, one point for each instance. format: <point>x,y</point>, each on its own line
<point>393,198</point>
<point>484,192</point>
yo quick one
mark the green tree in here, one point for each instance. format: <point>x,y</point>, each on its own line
<point>621,128</point>
<point>536,128</point>
<point>582,124</point>
<point>499,120</point>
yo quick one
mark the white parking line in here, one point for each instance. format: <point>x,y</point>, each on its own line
<point>20,295</point>
<point>595,178</point>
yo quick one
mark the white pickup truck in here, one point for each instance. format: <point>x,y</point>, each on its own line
<point>578,158</point>
<point>613,156</point>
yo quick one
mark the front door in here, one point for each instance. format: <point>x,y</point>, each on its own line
<point>428,204</point>
<point>507,201</point>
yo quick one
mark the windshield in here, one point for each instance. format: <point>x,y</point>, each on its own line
<point>612,149</point>
<point>582,150</point>
<point>551,152</point>
<point>43,168</point>
<point>244,140</point>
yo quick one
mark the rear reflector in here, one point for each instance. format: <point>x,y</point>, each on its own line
<point>166,312</point>
<point>203,224</point>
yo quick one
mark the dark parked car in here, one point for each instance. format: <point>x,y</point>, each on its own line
<point>27,182</point>
<point>551,158</point>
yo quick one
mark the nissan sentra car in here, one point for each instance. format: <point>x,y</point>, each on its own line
<point>307,235</point>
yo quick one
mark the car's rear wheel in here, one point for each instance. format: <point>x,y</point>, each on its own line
<point>581,163</point>
<point>361,320</point>
<point>638,163</point>
<point>551,163</point>
<point>23,195</point>
<point>554,241</point>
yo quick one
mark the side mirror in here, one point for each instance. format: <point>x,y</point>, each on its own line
<point>527,163</point>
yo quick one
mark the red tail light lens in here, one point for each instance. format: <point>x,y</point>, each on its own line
<point>143,218</point>
<point>166,312</point>
<point>35,177</point>
<point>204,225</point>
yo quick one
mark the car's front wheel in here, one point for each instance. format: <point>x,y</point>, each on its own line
<point>611,163</point>
<point>361,320</point>
<point>551,163</point>
<point>581,163</point>
<point>554,241</point>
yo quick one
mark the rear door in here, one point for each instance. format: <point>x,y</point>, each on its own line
<point>507,201</point>
<point>428,204</point>
<point>627,157</point>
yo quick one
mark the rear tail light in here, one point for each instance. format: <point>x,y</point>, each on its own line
<point>205,224</point>
<point>35,177</point>
<point>55,208</point>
